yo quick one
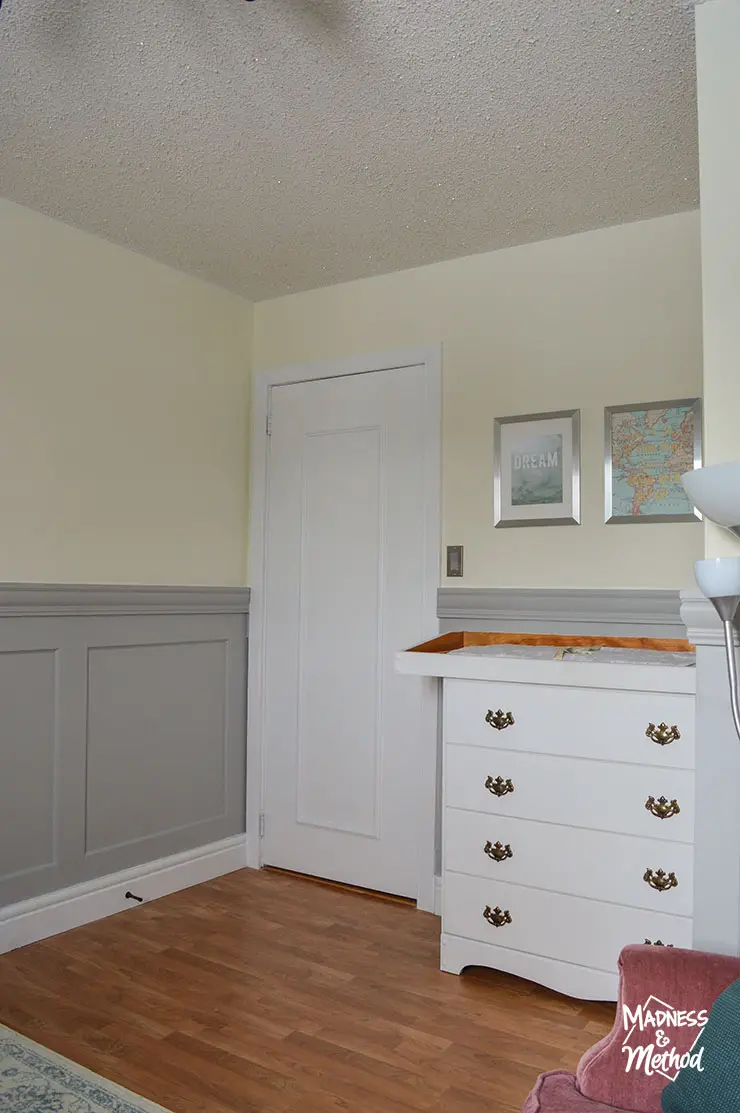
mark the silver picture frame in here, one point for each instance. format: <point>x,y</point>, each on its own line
<point>691,405</point>
<point>560,428</point>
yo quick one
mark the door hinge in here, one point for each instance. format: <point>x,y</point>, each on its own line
<point>262,825</point>
<point>268,424</point>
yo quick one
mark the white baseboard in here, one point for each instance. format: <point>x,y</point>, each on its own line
<point>437,896</point>
<point>52,913</point>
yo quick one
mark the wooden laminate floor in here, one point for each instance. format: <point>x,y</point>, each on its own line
<point>260,993</point>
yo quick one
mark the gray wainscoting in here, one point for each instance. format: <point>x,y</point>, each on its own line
<point>122,728</point>
<point>619,612</point>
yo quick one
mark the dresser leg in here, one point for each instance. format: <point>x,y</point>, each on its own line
<point>450,960</point>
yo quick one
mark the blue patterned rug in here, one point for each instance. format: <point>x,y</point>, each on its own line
<point>35,1080</point>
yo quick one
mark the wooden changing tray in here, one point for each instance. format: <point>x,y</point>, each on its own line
<point>459,639</point>
<point>435,658</point>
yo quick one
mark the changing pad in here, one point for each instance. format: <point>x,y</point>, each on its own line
<point>600,655</point>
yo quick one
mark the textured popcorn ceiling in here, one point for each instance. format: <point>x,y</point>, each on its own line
<point>284,144</point>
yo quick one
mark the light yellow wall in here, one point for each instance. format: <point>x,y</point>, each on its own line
<point>602,318</point>
<point>123,414</point>
<point>718,71</point>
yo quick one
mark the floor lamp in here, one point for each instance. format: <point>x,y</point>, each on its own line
<point>715,492</point>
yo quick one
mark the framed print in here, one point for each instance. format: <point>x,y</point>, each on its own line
<point>537,470</point>
<point>647,448</point>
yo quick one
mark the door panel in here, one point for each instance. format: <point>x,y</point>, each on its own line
<point>340,603</point>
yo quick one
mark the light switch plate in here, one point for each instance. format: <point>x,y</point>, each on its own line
<point>454,560</point>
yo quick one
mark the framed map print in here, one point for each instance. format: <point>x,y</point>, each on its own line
<point>647,450</point>
<point>536,470</point>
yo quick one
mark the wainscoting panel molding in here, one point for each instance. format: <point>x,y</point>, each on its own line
<point>28,759</point>
<point>630,613</point>
<point>122,719</point>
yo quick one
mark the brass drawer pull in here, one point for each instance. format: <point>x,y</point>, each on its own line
<point>661,807</point>
<point>657,943</point>
<point>499,787</point>
<point>500,720</point>
<point>662,734</point>
<point>498,852</point>
<point>497,916</point>
<point>660,880</point>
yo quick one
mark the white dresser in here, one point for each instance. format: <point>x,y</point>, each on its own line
<point>568,814</point>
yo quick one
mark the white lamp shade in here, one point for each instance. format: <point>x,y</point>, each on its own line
<point>715,492</point>
<point>718,578</point>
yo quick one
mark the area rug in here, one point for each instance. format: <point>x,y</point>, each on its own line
<point>35,1080</point>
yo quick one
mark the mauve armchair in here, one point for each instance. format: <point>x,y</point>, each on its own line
<point>664,995</point>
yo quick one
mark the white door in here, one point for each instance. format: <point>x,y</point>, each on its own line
<point>345,565</point>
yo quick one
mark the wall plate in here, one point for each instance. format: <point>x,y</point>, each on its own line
<point>454,560</point>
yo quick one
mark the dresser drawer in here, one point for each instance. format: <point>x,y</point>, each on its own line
<point>569,791</point>
<point>595,864</point>
<point>597,723</point>
<point>568,928</point>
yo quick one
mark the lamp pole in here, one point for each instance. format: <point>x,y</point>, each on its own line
<point>715,492</point>
<point>729,628</point>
